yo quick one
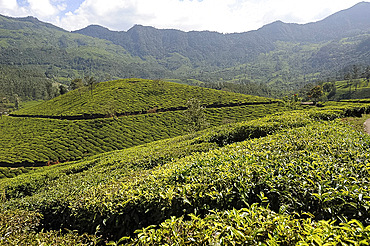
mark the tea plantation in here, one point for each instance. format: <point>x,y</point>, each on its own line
<point>37,141</point>
<point>134,96</point>
<point>292,178</point>
<point>115,115</point>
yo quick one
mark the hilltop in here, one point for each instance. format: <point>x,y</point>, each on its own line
<point>116,115</point>
<point>135,96</point>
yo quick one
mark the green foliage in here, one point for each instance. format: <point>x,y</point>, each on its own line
<point>194,115</point>
<point>7,172</point>
<point>348,89</point>
<point>76,84</point>
<point>315,93</point>
<point>252,226</point>
<point>19,227</point>
<point>28,83</point>
<point>319,168</point>
<point>135,96</point>
<point>33,141</point>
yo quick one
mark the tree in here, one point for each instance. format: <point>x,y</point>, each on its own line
<point>194,115</point>
<point>76,83</point>
<point>367,75</point>
<point>315,93</point>
<point>16,101</point>
<point>2,108</point>
<point>330,88</point>
<point>90,81</point>
<point>355,71</point>
<point>63,89</point>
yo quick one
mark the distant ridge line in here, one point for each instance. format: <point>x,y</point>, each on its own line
<point>150,111</point>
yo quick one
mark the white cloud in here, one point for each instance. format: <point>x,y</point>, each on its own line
<point>42,8</point>
<point>215,15</point>
<point>11,8</point>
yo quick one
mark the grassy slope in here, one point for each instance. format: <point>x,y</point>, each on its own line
<point>327,160</point>
<point>35,43</point>
<point>133,95</point>
<point>35,141</point>
<point>27,141</point>
<point>347,90</point>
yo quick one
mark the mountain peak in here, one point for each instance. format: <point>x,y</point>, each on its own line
<point>356,15</point>
<point>96,28</point>
<point>20,22</point>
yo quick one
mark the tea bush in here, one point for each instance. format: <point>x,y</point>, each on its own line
<point>19,227</point>
<point>135,96</point>
<point>33,141</point>
<point>252,226</point>
<point>293,162</point>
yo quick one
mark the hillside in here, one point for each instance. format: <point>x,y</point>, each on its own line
<point>347,89</point>
<point>129,158</point>
<point>135,96</point>
<point>281,56</point>
<point>295,177</point>
<point>117,115</point>
<point>34,55</point>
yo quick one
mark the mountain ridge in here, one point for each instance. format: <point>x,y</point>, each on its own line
<point>242,47</point>
<point>341,18</point>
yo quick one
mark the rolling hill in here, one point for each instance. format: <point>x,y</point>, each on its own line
<point>118,114</point>
<point>135,96</point>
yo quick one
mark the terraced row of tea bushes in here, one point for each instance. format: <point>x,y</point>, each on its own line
<point>303,170</point>
<point>27,185</point>
<point>134,95</point>
<point>39,141</point>
<point>244,130</point>
<point>349,109</point>
<point>252,226</point>
<point>7,172</point>
<point>110,164</point>
<point>367,100</point>
<point>19,227</point>
<point>158,152</point>
<point>31,141</point>
<point>322,168</point>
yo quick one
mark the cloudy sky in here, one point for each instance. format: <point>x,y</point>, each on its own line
<point>225,16</point>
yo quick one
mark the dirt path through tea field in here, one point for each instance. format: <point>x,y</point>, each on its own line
<point>367,126</point>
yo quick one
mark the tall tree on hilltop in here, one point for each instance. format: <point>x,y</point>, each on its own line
<point>90,81</point>
<point>76,83</point>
